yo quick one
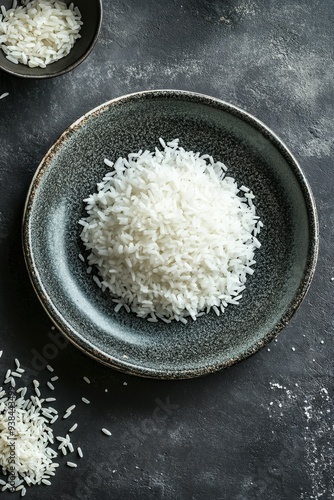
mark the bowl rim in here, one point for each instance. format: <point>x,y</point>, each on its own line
<point>71,66</point>
<point>85,346</point>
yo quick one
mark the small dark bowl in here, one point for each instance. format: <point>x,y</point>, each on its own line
<point>91,11</point>
<point>254,156</point>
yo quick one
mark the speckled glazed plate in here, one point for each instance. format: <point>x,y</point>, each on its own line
<point>254,156</point>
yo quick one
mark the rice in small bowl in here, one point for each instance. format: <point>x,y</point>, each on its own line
<point>47,38</point>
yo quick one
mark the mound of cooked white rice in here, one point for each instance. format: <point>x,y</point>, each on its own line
<point>170,234</point>
<point>39,32</point>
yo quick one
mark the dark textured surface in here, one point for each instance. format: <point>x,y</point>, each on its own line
<point>222,439</point>
<point>284,264</point>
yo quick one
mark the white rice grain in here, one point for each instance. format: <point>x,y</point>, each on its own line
<point>106,432</point>
<point>70,409</point>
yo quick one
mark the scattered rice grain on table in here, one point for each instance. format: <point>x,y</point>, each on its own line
<point>34,457</point>
<point>34,437</point>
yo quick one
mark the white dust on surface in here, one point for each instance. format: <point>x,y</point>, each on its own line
<point>242,9</point>
<point>317,432</point>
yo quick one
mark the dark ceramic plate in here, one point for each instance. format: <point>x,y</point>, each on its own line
<point>255,157</point>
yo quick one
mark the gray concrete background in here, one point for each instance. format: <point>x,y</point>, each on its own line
<point>264,428</point>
